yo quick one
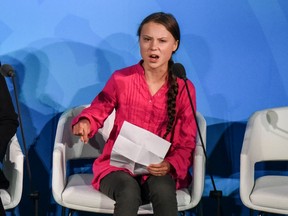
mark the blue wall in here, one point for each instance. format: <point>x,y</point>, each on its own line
<point>63,52</point>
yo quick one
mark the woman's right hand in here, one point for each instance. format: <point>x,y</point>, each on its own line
<point>82,129</point>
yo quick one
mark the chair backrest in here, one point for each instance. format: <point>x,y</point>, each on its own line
<point>75,149</point>
<point>267,134</point>
<point>199,160</point>
<point>203,129</point>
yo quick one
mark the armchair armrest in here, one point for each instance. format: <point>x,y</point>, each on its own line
<point>13,168</point>
<point>198,175</point>
<point>248,158</point>
<point>58,171</point>
<point>246,179</point>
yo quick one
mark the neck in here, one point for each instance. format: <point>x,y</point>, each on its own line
<point>155,75</point>
<point>155,79</point>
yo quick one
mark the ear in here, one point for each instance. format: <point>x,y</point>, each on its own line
<point>175,45</point>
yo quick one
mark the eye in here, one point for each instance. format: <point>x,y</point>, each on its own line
<point>162,41</point>
<point>146,39</point>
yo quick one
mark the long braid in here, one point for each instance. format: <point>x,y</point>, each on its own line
<point>171,99</point>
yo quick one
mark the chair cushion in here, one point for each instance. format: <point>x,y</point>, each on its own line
<point>5,197</point>
<point>79,192</point>
<point>271,192</point>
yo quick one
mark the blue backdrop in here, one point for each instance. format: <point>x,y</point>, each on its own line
<point>63,52</point>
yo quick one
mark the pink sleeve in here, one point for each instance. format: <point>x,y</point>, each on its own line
<point>185,131</point>
<point>100,108</point>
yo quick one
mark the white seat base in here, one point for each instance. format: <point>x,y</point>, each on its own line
<point>80,194</point>
<point>5,197</point>
<point>271,192</point>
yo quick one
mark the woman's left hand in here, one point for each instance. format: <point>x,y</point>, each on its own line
<point>160,169</point>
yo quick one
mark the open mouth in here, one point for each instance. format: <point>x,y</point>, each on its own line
<point>154,56</point>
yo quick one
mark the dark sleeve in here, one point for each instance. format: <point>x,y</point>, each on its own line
<point>8,117</point>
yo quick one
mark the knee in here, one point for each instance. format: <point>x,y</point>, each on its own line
<point>165,190</point>
<point>163,194</point>
<point>128,192</point>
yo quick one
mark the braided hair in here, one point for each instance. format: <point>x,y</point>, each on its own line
<point>171,99</point>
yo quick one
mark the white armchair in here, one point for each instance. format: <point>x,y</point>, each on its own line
<point>75,192</point>
<point>266,139</point>
<point>13,170</point>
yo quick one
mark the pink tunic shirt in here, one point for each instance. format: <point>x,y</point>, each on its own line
<point>127,92</point>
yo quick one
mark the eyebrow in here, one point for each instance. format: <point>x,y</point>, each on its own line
<point>165,37</point>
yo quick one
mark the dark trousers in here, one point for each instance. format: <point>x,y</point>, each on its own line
<point>2,211</point>
<point>129,193</point>
<point>7,131</point>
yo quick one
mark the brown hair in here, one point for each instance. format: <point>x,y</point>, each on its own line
<point>171,24</point>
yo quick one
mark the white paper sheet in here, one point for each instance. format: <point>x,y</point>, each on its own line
<point>135,148</point>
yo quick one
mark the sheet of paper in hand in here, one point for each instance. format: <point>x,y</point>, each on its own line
<point>135,148</point>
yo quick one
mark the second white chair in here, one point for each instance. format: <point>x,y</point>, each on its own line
<point>266,139</point>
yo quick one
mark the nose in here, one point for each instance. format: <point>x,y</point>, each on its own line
<point>154,45</point>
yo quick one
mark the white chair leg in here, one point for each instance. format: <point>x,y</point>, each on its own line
<point>182,213</point>
<point>71,212</point>
<point>63,211</point>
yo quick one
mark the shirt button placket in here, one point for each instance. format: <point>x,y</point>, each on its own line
<point>149,111</point>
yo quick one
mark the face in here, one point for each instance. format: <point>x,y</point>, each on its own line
<point>156,46</point>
